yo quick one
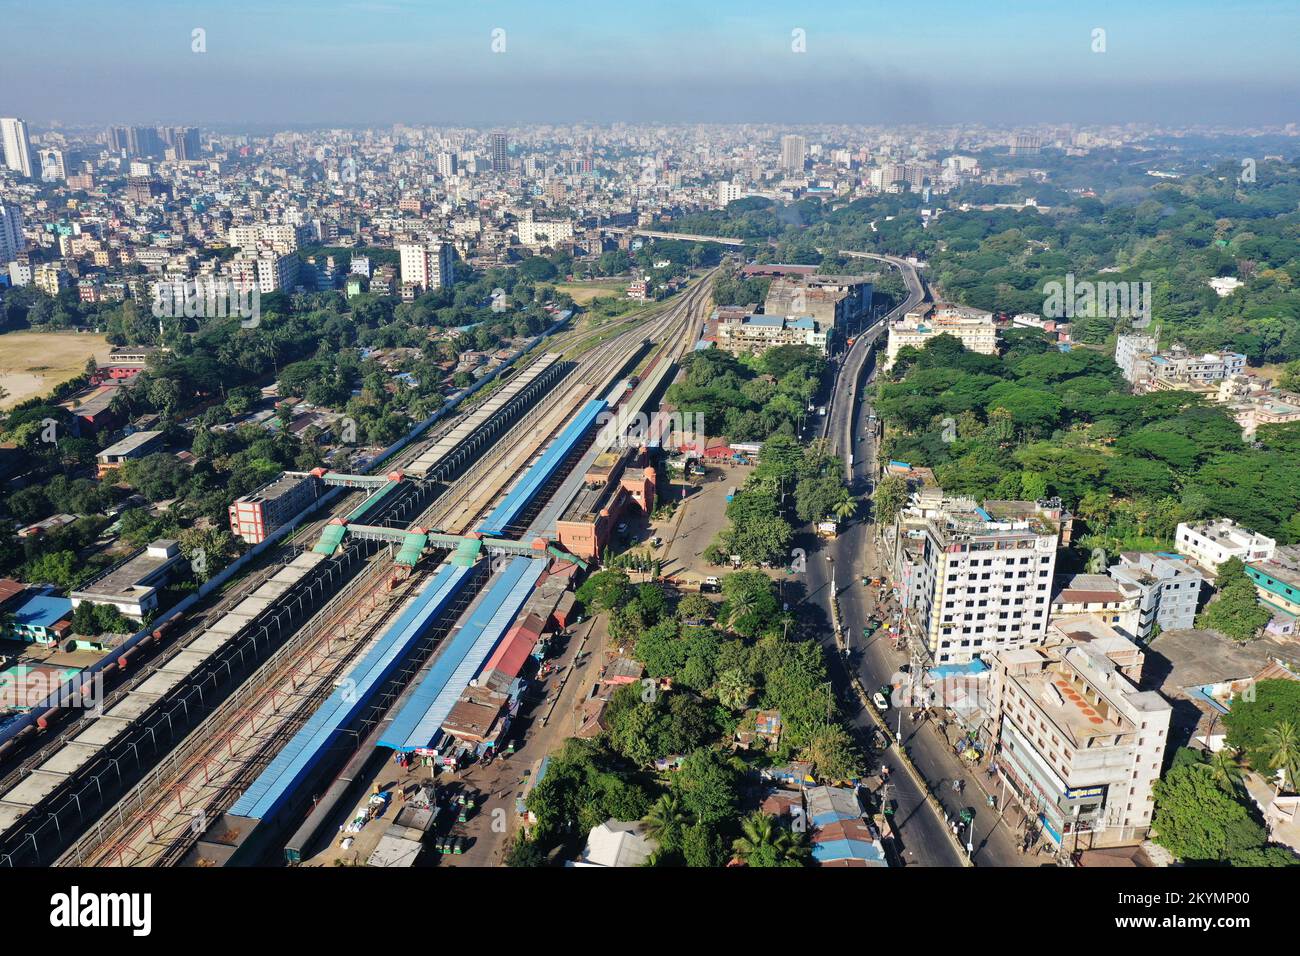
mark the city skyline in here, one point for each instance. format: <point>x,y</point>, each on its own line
<point>506,63</point>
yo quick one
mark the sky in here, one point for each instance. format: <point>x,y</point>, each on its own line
<point>493,62</point>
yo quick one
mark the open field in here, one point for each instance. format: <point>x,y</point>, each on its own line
<point>32,363</point>
<point>584,292</point>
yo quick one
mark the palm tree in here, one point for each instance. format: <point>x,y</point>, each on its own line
<point>734,690</point>
<point>1224,769</point>
<point>738,605</point>
<point>1282,746</point>
<point>845,508</point>
<point>666,817</point>
<point>764,843</point>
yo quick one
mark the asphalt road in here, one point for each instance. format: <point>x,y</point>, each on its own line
<point>922,835</point>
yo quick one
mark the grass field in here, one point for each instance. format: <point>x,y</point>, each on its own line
<point>584,292</point>
<point>33,363</point>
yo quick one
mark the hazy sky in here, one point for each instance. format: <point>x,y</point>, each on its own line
<point>431,61</point>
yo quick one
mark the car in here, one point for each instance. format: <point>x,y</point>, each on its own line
<point>879,700</point>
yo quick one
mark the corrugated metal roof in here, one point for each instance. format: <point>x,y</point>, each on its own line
<point>461,657</point>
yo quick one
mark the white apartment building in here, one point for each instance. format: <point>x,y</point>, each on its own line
<point>427,264</point>
<point>973,579</point>
<point>17,146</point>
<point>265,271</point>
<point>793,151</point>
<point>975,329</point>
<point>542,232</point>
<point>1177,367</point>
<point>11,233</point>
<point>1133,351</point>
<point>50,278</point>
<point>1210,543</point>
<point>281,238</point>
<point>1079,746</point>
<point>728,192</point>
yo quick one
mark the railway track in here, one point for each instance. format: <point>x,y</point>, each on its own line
<point>164,814</point>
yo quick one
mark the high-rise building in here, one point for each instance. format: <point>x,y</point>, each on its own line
<point>143,141</point>
<point>793,150</point>
<point>977,579</point>
<point>53,165</point>
<point>11,232</point>
<point>500,152</point>
<point>427,264</point>
<point>184,140</point>
<point>446,165</point>
<point>17,147</point>
<point>1079,744</point>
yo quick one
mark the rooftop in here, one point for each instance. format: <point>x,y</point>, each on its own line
<point>129,444</point>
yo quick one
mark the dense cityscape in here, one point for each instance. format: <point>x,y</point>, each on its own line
<point>650,494</point>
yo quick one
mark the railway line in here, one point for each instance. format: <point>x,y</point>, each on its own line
<point>160,817</point>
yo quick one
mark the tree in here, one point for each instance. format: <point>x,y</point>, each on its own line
<point>1270,703</point>
<point>763,843</point>
<point>1235,611</point>
<point>733,689</point>
<point>695,607</point>
<point>750,602</point>
<point>1198,821</point>
<point>1282,746</point>
<point>1224,769</point>
<point>666,821</point>
<point>834,753</point>
<point>709,786</point>
<point>605,590</point>
<point>890,496</point>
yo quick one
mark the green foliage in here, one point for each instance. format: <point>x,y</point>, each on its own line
<point>1199,822</point>
<point>1272,702</point>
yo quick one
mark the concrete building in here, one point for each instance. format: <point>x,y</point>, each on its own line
<point>265,271</point>
<point>132,586</point>
<point>975,330</point>
<point>740,333</point>
<point>1078,744</point>
<point>1210,543</point>
<point>793,151</point>
<point>427,265</point>
<point>12,242</point>
<point>256,515</point>
<point>1277,583</point>
<point>1166,587</point>
<point>612,488</point>
<point>974,580</point>
<point>1177,367</point>
<point>1133,351</point>
<point>832,301</point>
<point>135,445</point>
<point>17,146</point>
<point>1097,595</point>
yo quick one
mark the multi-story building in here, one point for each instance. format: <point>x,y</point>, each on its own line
<point>974,328</point>
<point>1097,595</point>
<point>1210,543</point>
<point>265,271</point>
<point>974,580</point>
<point>50,278</point>
<point>1177,367</point>
<point>1277,583</point>
<point>500,146</point>
<point>1133,351</point>
<point>617,483</point>
<point>427,265</point>
<point>1079,745</point>
<point>1167,589</point>
<point>11,233</point>
<point>53,165</point>
<point>740,332</point>
<point>281,238</point>
<point>793,151</point>
<point>728,192</point>
<point>539,232</point>
<point>17,147</point>
<point>255,516</point>
<point>832,301</point>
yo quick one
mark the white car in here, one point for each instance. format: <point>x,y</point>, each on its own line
<point>879,700</point>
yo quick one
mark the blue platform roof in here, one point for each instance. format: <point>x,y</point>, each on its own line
<point>277,783</point>
<point>420,719</point>
<point>541,471</point>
